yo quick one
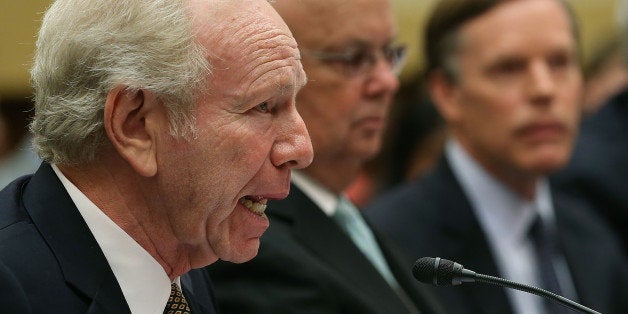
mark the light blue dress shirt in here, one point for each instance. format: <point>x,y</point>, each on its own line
<point>505,218</point>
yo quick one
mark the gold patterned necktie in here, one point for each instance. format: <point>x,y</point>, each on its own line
<point>176,302</point>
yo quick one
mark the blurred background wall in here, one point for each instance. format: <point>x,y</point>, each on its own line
<point>596,17</point>
<point>19,20</point>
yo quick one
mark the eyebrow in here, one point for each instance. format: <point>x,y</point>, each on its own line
<point>359,43</point>
<point>297,83</point>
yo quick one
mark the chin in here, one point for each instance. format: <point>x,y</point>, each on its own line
<point>549,158</point>
<point>245,253</point>
<point>368,144</point>
<point>549,164</point>
<point>369,152</point>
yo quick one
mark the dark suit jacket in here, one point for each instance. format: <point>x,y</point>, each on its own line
<point>598,170</point>
<point>307,264</point>
<point>433,217</point>
<point>50,261</point>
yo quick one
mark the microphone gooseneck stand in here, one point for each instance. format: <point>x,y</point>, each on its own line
<point>534,290</point>
<point>443,272</point>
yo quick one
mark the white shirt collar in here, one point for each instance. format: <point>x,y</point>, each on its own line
<point>501,210</point>
<point>144,283</point>
<point>319,194</point>
<point>505,218</point>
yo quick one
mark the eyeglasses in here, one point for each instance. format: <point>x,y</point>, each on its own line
<point>362,60</point>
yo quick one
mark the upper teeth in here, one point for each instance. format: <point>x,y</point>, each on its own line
<point>256,207</point>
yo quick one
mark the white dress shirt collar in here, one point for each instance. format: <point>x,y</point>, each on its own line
<point>505,218</point>
<point>492,202</point>
<point>144,283</point>
<point>319,194</point>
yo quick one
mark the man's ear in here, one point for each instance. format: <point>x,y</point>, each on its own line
<point>444,95</point>
<point>128,124</point>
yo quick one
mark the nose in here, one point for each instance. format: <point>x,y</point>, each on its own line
<point>294,150</point>
<point>542,83</point>
<point>382,80</point>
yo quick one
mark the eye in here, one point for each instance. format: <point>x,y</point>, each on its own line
<point>510,66</point>
<point>356,59</point>
<point>263,107</point>
<point>394,53</point>
<point>559,60</point>
<point>507,67</point>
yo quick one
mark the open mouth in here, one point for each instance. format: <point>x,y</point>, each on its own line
<point>256,204</point>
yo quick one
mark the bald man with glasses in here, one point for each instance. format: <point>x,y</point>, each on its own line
<point>319,255</point>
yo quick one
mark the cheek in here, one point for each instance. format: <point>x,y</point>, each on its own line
<point>329,112</point>
<point>490,122</point>
<point>570,109</point>
<point>329,97</point>
<point>484,113</point>
<point>232,161</point>
<point>251,152</point>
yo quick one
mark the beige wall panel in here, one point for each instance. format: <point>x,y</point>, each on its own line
<point>19,20</point>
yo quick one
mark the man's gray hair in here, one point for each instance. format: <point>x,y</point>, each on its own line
<point>86,48</point>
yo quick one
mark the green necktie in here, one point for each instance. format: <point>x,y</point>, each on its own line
<point>350,219</point>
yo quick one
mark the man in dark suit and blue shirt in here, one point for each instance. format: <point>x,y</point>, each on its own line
<point>164,127</point>
<point>505,76</point>
<point>319,255</point>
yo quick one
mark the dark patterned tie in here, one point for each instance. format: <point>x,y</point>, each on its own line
<point>176,302</point>
<point>546,246</point>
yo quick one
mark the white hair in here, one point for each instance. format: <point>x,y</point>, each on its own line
<point>86,48</point>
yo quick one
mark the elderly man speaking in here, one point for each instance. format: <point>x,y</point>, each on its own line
<point>164,126</point>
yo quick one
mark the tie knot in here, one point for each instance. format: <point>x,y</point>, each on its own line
<point>535,230</point>
<point>542,233</point>
<point>345,210</point>
<point>176,302</point>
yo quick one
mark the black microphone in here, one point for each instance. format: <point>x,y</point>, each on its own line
<point>442,272</point>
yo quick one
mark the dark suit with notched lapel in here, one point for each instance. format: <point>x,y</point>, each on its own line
<point>307,264</point>
<point>50,261</point>
<point>433,217</point>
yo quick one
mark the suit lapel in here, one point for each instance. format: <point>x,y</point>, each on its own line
<point>65,231</point>
<point>199,295</point>
<point>465,241</point>
<point>576,244</point>
<point>402,269</point>
<point>328,241</point>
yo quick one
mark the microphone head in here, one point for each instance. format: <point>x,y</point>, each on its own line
<point>437,271</point>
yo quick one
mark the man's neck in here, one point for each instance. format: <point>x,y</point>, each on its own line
<point>523,182</point>
<point>120,196</point>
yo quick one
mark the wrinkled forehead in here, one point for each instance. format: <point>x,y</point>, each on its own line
<point>225,26</point>
<point>248,45</point>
